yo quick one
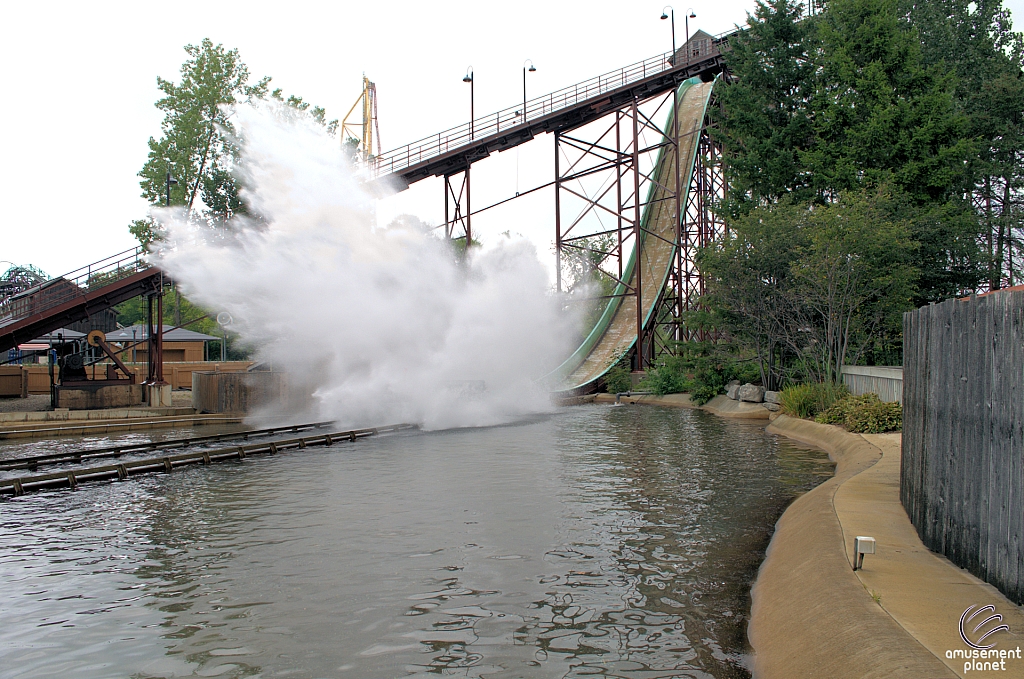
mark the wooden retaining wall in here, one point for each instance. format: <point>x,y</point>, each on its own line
<point>962,479</point>
<point>238,393</point>
<point>178,375</point>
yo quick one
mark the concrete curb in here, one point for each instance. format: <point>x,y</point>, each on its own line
<point>810,614</point>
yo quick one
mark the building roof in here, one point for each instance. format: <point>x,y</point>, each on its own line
<point>68,334</point>
<point>170,335</point>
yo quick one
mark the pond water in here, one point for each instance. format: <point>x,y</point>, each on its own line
<point>598,541</point>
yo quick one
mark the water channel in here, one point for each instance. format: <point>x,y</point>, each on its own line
<point>597,541</point>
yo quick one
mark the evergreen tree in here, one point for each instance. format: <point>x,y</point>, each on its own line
<point>764,122</point>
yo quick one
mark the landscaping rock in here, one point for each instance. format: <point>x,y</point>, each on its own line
<point>733,391</point>
<point>751,393</point>
<point>773,407</point>
<point>772,397</point>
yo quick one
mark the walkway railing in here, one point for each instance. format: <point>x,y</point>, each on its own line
<point>406,156</point>
<point>72,285</point>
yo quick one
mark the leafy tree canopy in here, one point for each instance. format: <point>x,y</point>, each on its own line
<point>197,145</point>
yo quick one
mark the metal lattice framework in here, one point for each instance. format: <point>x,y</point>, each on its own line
<point>620,151</point>
<point>639,163</point>
<point>701,225</point>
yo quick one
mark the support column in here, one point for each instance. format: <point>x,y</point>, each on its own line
<point>457,207</point>
<point>638,236</point>
<point>558,216</point>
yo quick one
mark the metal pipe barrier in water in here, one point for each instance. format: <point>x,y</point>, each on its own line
<point>32,462</point>
<point>73,478</point>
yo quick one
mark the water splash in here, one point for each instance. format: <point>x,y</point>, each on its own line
<point>371,324</point>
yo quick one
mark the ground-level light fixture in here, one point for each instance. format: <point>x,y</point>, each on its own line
<point>862,545</point>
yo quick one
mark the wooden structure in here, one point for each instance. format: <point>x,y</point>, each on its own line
<point>962,476</point>
<point>237,393</point>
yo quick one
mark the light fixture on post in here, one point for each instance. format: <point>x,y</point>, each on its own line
<point>171,181</point>
<point>689,16</point>
<point>532,69</point>
<point>671,13</point>
<point>469,79</point>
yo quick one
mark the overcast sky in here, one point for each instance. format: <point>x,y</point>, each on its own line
<point>80,83</point>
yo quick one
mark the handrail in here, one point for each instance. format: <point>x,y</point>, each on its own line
<point>512,117</point>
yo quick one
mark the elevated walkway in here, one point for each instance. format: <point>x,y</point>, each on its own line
<point>455,149</point>
<point>75,296</point>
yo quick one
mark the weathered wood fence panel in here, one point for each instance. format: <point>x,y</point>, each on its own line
<point>962,478</point>
<point>887,382</point>
<point>239,392</point>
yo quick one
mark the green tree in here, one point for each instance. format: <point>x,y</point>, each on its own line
<point>765,124</point>
<point>976,42</point>
<point>198,145</point>
<point>821,282</point>
<point>195,145</point>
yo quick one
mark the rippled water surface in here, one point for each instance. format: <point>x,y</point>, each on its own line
<point>607,541</point>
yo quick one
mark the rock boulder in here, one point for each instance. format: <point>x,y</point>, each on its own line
<point>751,393</point>
<point>772,397</point>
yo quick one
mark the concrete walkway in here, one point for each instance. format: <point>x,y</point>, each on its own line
<point>813,616</point>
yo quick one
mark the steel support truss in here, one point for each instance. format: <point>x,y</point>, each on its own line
<point>606,176</point>
<point>457,212</point>
<point>701,226</point>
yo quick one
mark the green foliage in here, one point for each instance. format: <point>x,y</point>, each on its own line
<point>766,125</point>
<point>700,368</point>
<point>822,282</point>
<point>807,400</point>
<point>865,414</point>
<point>617,379</point>
<point>852,101</point>
<point>668,377</point>
<point>198,144</point>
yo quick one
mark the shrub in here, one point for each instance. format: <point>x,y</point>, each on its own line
<point>617,380</point>
<point>807,400</point>
<point>665,380</point>
<point>864,415</point>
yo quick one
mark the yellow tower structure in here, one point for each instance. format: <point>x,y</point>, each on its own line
<point>368,128</point>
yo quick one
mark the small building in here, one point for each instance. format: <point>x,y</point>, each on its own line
<point>700,44</point>
<point>180,344</point>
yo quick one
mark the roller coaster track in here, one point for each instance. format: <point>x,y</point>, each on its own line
<point>614,335</point>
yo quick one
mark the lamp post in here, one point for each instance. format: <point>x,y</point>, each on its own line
<point>469,79</point>
<point>532,69</point>
<point>689,16</point>
<point>671,13</point>
<point>171,181</point>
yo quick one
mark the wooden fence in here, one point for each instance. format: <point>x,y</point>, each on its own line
<point>962,478</point>
<point>178,375</point>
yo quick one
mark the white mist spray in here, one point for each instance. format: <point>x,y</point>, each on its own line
<point>375,325</point>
